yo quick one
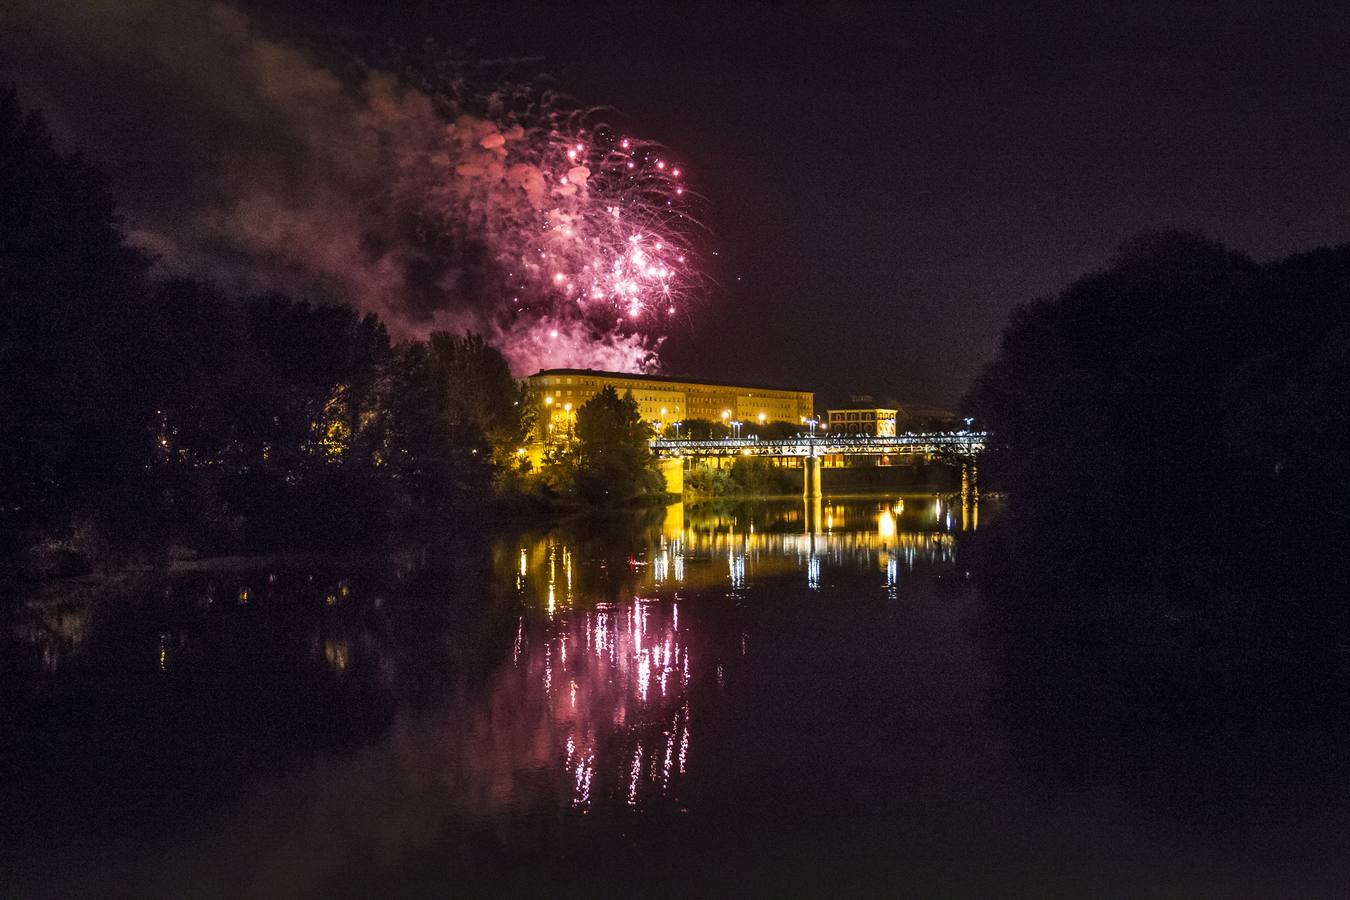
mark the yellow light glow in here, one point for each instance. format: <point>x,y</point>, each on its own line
<point>548,401</point>
<point>885,525</point>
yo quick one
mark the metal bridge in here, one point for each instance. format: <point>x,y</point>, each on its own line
<point>937,443</point>
<point>810,449</point>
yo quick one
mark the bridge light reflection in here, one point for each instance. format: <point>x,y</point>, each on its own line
<point>886,525</point>
<point>619,725</point>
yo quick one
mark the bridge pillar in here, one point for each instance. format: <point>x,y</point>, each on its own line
<point>811,477</point>
<point>672,470</point>
<point>813,515</point>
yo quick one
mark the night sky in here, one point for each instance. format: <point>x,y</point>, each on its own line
<point>884,185</point>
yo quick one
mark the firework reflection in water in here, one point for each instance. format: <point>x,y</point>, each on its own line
<point>615,682</point>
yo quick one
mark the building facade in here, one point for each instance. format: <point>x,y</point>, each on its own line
<point>875,421</point>
<point>664,400</point>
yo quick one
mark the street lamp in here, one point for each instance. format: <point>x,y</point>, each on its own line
<point>677,429</point>
<point>813,423</point>
<point>736,429</point>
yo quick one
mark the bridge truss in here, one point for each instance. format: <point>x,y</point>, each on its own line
<point>939,443</point>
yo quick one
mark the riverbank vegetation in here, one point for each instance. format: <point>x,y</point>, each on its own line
<point>746,477</point>
<point>1173,440</point>
<point>1168,579</point>
<point>146,417</point>
<point>1177,422</point>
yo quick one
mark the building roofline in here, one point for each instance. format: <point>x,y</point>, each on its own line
<point>669,379</point>
<point>856,407</point>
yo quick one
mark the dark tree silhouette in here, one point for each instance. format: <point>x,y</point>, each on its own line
<point>138,415</point>
<point>613,454</point>
<point>1159,427</point>
<point>71,380</point>
<point>483,394</point>
<point>1167,579</point>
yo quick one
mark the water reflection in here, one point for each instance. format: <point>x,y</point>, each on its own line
<point>785,695</point>
<point>577,671</point>
<point>614,681</point>
<point>602,649</point>
<point>735,545</point>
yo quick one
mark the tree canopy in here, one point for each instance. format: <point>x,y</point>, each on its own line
<point>71,386</point>
<point>613,451</point>
<point>1156,424</point>
<point>141,413</point>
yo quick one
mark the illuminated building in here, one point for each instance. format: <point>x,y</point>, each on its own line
<point>666,400</point>
<point>864,415</point>
<point>859,419</point>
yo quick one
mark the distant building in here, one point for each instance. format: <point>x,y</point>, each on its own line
<point>665,400</point>
<point>857,418</point>
<point>917,417</point>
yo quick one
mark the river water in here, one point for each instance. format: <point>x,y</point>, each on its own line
<point>736,700</point>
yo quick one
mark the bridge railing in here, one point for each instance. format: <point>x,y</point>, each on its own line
<point>965,443</point>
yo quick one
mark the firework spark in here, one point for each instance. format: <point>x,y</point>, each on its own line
<point>587,234</point>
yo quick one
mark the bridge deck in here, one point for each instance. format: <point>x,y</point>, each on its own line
<point>959,443</point>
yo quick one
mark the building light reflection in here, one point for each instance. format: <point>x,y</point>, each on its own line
<point>336,654</point>
<point>620,729</point>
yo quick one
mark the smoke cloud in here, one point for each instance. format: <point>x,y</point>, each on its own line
<point>241,157</point>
